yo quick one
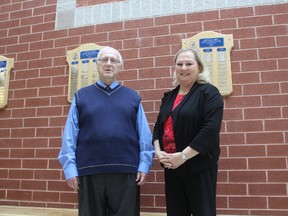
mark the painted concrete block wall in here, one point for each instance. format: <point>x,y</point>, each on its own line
<point>253,165</point>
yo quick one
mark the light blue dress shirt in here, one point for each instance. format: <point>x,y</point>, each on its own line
<point>67,155</point>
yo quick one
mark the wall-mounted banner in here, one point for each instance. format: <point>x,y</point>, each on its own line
<point>215,49</point>
<point>82,67</point>
<point>6,66</point>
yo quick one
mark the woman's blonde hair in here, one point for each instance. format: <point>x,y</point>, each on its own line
<point>203,75</point>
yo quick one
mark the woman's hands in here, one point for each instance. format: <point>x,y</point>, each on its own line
<point>170,160</point>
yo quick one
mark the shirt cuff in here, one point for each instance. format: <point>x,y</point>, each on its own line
<point>144,167</point>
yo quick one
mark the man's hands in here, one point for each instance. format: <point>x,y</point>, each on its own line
<point>73,183</point>
<point>141,178</point>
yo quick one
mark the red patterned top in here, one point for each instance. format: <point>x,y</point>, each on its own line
<point>168,136</point>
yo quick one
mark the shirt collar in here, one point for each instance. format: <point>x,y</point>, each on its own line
<point>112,86</point>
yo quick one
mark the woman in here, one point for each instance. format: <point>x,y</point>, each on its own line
<point>186,138</point>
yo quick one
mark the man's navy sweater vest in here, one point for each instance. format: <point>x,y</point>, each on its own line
<point>108,139</point>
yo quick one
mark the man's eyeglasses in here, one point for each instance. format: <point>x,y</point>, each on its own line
<point>105,60</point>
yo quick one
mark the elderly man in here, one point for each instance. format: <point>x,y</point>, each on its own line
<point>107,144</point>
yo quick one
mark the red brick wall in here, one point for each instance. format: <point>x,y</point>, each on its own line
<point>253,166</point>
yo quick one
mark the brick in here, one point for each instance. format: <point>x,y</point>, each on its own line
<point>47,174</point>
<point>271,31</point>
<point>22,153</point>
<point>154,72</point>
<point>37,102</point>
<point>231,189</point>
<point>8,143</point>
<point>68,197</point>
<point>81,31</point>
<point>71,41</point>
<point>35,163</point>
<point>277,124</point>
<point>154,31</point>
<point>36,122</point>
<point>282,40</point>
<point>154,51</point>
<point>4,153</point>
<point>245,126</point>
<point>255,21</point>
<point>131,24</point>
<point>59,81</point>
<point>30,38</point>
<point>51,91</point>
<point>10,123</point>
<point>139,63</point>
<point>8,41</point>
<point>160,201</point>
<point>236,13</point>
<point>43,27</point>
<point>281,19</point>
<point>221,202</point>
<point>278,76</point>
<point>55,164</point>
<point>168,39</point>
<point>58,186</point>
<point>216,25</point>
<point>250,43</point>
<point>247,176</point>
<point>164,83</point>
<point>278,202</point>
<point>128,75</point>
<point>46,153</point>
<point>245,55</point>
<point>33,185</point>
<point>232,163</point>
<point>259,65</point>
<point>20,31</point>
<point>264,137</point>
<point>247,202</point>
<point>186,27</point>
<point>137,42</point>
<point>274,53</point>
<point>266,163</point>
<point>267,189</point>
<point>202,16</point>
<point>19,195</point>
<point>247,151</point>
<point>129,53</point>
<point>18,48</point>
<point>23,132</point>
<point>147,200</point>
<point>47,111</point>
<point>124,34</point>
<point>244,101</point>
<point>55,34</point>
<point>43,46</point>
<point>275,100</point>
<point>278,9</point>
<point>152,188</point>
<point>46,196</point>
<point>278,176</point>
<point>32,20</point>
<point>164,61</point>
<point>45,9</point>
<point>21,14</point>
<point>277,150</point>
<point>35,143</point>
<point>9,184</point>
<point>139,85</point>
<point>48,132</point>
<point>21,174</point>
